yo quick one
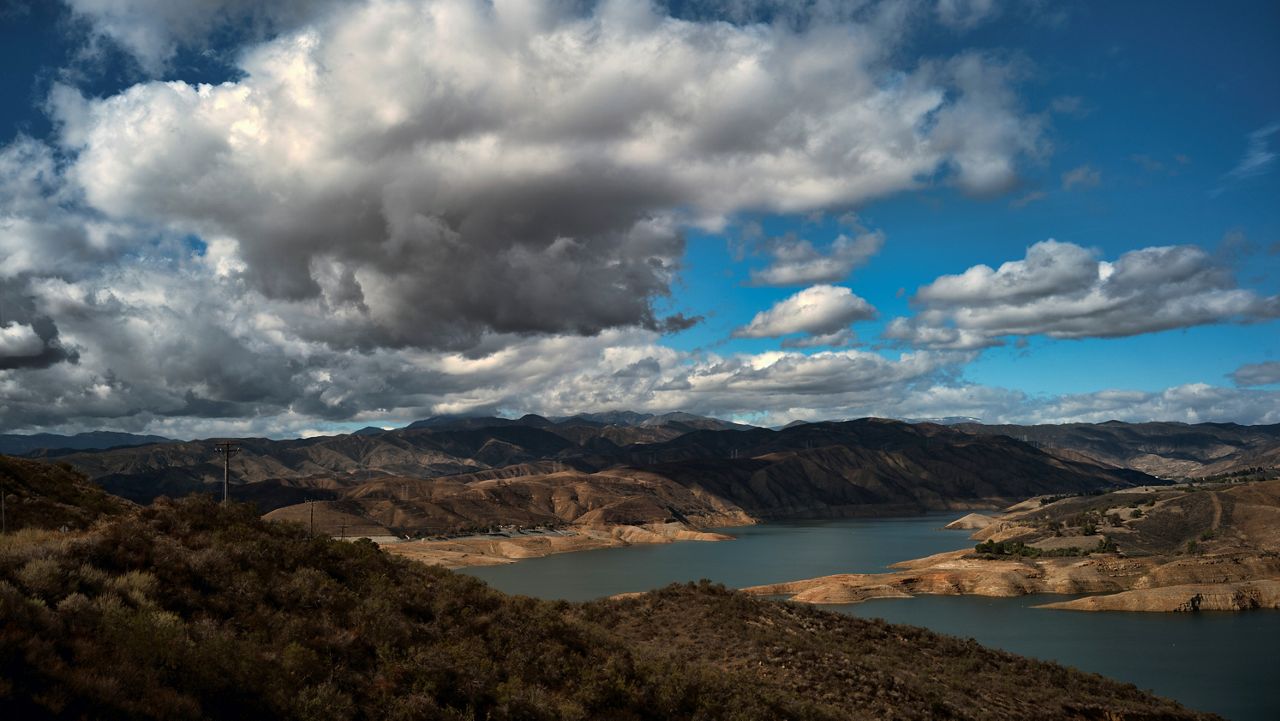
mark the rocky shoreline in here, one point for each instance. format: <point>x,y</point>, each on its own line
<point>1231,561</point>
<point>493,551</point>
<point>1227,582</point>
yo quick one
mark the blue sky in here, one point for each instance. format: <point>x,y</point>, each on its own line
<point>357,220</point>
<point>1189,82</point>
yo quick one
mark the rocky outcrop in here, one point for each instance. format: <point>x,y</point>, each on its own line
<point>971,522</point>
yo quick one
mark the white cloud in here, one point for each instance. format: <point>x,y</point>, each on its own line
<point>1063,291</point>
<point>19,341</point>
<point>820,311</point>
<point>556,156</point>
<point>918,333</point>
<point>1258,156</point>
<point>152,31</point>
<point>795,261</point>
<point>1084,176</point>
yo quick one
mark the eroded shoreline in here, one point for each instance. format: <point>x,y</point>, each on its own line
<point>1232,564</point>
<point>492,551</point>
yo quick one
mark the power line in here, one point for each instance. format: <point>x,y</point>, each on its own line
<point>226,449</point>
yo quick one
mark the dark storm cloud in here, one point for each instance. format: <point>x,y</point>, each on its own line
<point>32,346</point>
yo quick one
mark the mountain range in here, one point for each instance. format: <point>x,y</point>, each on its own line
<point>450,474</point>
<point>455,474</point>
<point>1169,450</point>
<point>18,444</point>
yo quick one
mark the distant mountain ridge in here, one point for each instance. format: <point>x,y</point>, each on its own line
<point>447,473</point>
<point>453,475</point>
<point>1169,450</point>
<point>17,444</point>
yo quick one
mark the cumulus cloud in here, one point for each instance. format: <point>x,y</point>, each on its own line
<point>399,208</point>
<point>918,333</point>
<point>19,341</point>
<point>1257,374</point>
<point>154,359</point>
<point>520,169</point>
<point>178,349</point>
<point>42,229</point>
<point>821,310</point>
<point>795,261</point>
<point>1063,290</point>
<point>152,31</point>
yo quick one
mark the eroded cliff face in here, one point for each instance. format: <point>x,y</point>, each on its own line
<point>1216,549</point>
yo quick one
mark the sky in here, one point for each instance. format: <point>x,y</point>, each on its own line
<point>224,217</point>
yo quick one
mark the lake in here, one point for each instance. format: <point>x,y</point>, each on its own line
<point>1221,662</point>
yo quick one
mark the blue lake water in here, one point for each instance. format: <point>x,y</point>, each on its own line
<point>1221,662</point>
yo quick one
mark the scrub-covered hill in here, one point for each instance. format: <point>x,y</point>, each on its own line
<point>46,495</point>
<point>189,610</point>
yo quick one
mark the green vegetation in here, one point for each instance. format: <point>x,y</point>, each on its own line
<point>1244,475</point>
<point>1018,548</point>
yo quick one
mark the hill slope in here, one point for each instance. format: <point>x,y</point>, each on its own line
<point>1171,450</point>
<point>43,495</point>
<point>16,444</point>
<point>868,467</point>
<point>185,610</point>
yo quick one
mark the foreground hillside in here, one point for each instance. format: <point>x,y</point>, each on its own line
<point>1215,547</point>
<point>185,610</point>
<point>44,495</point>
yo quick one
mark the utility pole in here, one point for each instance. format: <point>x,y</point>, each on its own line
<point>4,519</point>
<point>226,449</point>
<point>312,506</point>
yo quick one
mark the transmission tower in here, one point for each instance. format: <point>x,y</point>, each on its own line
<point>226,449</point>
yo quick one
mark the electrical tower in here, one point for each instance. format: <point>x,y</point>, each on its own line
<point>226,449</point>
